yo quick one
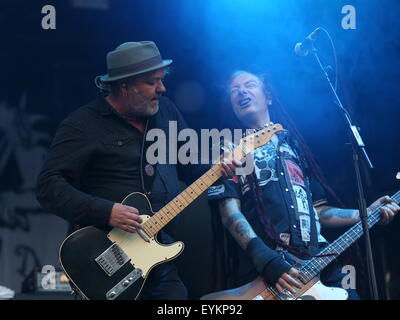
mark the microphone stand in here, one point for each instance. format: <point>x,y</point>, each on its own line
<point>358,151</point>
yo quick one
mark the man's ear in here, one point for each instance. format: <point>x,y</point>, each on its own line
<point>124,92</point>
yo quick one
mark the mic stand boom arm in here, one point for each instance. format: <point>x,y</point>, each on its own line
<point>358,149</point>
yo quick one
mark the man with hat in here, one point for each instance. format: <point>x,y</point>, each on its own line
<point>98,155</point>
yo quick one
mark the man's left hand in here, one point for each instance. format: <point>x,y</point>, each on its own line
<point>389,209</point>
<point>229,165</point>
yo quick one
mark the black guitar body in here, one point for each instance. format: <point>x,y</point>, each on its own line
<point>78,255</point>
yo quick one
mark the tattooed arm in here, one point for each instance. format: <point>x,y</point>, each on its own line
<point>335,217</point>
<point>235,222</point>
<point>269,264</point>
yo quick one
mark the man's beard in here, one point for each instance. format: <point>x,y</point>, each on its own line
<point>143,111</point>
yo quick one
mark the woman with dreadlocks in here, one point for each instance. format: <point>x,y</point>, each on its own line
<point>280,206</point>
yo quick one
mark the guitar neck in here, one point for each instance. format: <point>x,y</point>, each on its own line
<point>181,201</point>
<point>192,192</point>
<point>315,265</point>
<point>186,197</point>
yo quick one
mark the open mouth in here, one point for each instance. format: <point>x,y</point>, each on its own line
<point>244,103</point>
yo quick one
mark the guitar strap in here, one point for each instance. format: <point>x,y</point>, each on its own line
<point>153,176</point>
<point>148,171</point>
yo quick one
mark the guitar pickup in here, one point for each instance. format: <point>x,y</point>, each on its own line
<point>112,259</point>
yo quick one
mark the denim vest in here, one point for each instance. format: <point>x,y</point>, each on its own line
<point>297,218</point>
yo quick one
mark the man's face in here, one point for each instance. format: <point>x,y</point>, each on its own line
<point>143,94</point>
<point>247,95</point>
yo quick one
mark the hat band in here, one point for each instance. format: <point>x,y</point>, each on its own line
<point>136,67</point>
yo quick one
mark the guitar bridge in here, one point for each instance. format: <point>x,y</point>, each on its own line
<point>112,259</point>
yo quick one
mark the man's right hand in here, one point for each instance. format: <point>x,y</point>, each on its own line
<point>125,218</point>
<point>289,281</point>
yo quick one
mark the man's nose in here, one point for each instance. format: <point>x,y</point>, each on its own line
<point>160,87</point>
<point>242,91</point>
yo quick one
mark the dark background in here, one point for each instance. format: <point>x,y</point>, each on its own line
<point>46,74</point>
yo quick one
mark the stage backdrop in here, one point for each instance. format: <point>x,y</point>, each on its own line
<point>29,237</point>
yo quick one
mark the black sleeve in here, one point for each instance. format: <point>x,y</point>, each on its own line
<point>225,188</point>
<point>58,184</point>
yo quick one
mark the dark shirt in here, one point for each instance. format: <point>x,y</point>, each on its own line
<point>288,192</point>
<point>97,159</point>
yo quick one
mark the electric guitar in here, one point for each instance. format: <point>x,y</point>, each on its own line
<point>110,265</point>
<point>310,271</point>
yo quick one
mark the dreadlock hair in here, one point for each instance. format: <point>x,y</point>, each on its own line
<point>224,259</point>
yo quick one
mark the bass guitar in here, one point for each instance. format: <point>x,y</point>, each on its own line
<point>310,271</point>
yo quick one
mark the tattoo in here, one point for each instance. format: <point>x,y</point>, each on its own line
<point>233,218</point>
<point>244,230</point>
<point>240,229</point>
<point>330,213</point>
<point>235,222</point>
<point>337,216</point>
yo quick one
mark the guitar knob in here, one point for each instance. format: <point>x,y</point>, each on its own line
<point>125,283</point>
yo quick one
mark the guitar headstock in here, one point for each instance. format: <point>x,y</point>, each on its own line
<point>259,138</point>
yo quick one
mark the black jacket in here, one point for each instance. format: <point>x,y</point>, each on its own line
<point>97,158</point>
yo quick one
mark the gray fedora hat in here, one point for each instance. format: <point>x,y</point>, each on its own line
<point>132,58</point>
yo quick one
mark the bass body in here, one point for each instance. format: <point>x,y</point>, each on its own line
<point>258,289</point>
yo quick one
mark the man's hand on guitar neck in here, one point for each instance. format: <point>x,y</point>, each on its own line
<point>125,218</point>
<point>389,209</point>
<point>229,165</point>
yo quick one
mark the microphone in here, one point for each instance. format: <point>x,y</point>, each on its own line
<point>302,48</point>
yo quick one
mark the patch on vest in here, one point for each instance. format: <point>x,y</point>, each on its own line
<point>305,227</point>
<point>301,200</point>
<point>215,190</point>
<point>295,173</point>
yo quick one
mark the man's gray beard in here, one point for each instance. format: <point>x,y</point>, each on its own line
<point>142,113</point>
